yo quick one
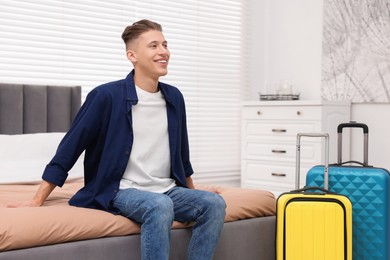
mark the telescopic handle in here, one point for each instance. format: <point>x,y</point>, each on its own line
<point>340,140</point>
<point>298,157</point>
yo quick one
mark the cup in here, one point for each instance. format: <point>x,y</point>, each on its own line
<point>285,88</point>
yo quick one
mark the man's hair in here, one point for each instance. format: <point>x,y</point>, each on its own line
<point>133,31</point>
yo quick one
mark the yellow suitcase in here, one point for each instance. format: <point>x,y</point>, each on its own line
<point>313,223</point>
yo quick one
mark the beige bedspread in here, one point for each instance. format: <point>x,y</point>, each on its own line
<point>57,222</point>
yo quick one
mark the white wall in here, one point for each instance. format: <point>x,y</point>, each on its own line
<point>286,44</point>
<point>376,116</point>
<point>286,38</point>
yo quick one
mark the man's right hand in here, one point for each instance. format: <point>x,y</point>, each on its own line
<point>41,195</point>
<point>20,204</point>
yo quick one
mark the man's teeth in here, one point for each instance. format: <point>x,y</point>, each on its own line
<point>162,61</point>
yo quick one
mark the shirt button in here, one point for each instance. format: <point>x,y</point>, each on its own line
<point>127,152</point>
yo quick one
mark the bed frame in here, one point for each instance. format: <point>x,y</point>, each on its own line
<point>37,109</point>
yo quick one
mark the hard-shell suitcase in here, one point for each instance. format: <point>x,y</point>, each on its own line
<point>313,226</point>
<point>368,189</point>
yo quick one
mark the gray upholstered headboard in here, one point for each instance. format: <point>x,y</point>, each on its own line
<point>37,108</point>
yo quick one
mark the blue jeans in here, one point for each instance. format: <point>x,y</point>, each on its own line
<point>156,212</point>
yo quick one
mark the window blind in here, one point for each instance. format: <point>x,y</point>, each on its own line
<point>58,42</point>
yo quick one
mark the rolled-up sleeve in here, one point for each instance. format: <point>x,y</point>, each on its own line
<point>85,128</point>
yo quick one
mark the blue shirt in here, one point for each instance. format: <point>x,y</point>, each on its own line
<point>103,128</point>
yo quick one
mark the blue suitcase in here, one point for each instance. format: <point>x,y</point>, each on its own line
<point>368,189</point>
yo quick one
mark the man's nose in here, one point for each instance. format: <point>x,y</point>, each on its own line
<point>163,49</point>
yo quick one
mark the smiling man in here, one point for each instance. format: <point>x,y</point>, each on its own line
<point>137,162</point>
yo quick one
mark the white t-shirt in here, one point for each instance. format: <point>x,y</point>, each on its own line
<point>149,165</point>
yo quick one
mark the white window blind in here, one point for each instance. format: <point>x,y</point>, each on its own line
<point>71,42</point>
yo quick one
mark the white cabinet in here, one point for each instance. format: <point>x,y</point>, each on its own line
<point>269,130</point>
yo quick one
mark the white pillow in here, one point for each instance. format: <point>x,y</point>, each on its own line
<point>24,157</point>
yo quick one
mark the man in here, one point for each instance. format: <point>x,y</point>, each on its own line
<point>137,163</point>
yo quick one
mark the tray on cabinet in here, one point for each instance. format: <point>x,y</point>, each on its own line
<point>270,97</point>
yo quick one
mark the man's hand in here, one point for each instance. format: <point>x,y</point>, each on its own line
<point>41,195</point>
<point>20,204</point>
<point>190,184</point>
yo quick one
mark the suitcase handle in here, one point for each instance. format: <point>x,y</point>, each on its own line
<point>305,189</point>
<point>352,125</point>
<point>298,158</point>
<point>340,140</point>
<point>357,162</point>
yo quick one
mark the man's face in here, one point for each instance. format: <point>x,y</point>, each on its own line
<point>149,53</point>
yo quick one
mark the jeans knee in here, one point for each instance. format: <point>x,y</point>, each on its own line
<point>217,206</point>
<point>161,208</point>
<point>220,204</point>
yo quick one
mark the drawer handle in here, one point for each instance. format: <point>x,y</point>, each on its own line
<point>278,151</point>
<point>299,113</point>
<point>275,130</point>
<point>278,174</point>
<point>258,112</point>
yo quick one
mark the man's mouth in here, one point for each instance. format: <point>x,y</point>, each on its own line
<point>162,61</point>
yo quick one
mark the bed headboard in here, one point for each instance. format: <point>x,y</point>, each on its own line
<point>37,108</point>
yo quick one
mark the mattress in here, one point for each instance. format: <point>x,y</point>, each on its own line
<point>57,222</point>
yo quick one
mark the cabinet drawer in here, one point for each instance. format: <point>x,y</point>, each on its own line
<point>282,112</point>
<point>282,152</point>
<point>270,173</point>
<point>266,129</point>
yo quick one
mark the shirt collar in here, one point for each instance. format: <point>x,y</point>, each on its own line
<point>131,93</point>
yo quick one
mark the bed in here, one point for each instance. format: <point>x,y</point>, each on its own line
<point>33,119</point>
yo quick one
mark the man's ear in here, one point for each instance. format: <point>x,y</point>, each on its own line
<point>131,55</point>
